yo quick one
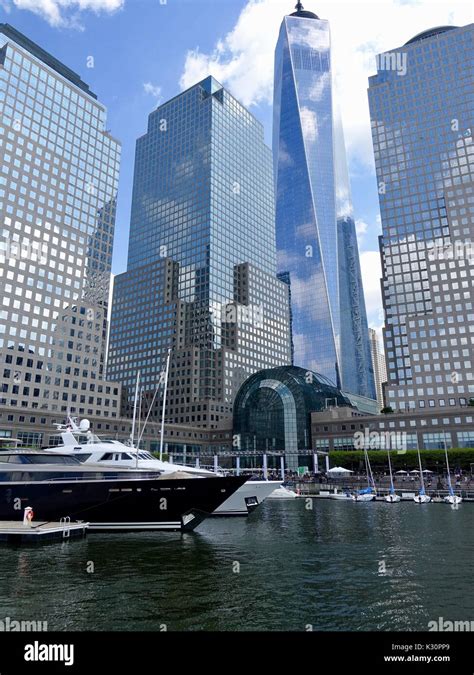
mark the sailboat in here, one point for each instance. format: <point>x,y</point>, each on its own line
<point>392,497</point>
<point>421,497</point>
<point>451,498</point>
<point>368,493</point>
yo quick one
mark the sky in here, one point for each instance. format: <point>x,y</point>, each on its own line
<point>147,51</point>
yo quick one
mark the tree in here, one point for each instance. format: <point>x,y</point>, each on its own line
<point>387,410</point>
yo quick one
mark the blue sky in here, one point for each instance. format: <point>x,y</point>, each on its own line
<point>146,51</point>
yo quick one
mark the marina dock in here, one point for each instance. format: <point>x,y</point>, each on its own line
<point>14,532</point>
<point>324,490</point>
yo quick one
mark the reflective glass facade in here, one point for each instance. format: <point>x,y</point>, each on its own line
<point>422,121</point>
<point>203,199</point>
<point>58,189</point>
<point>315,229</point>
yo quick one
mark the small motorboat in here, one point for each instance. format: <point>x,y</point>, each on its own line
<point>342,496</point>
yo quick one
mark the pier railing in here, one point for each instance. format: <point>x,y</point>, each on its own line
<point>315,488</point>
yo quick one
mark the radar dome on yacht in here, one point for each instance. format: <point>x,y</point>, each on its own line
<point>84,426</point>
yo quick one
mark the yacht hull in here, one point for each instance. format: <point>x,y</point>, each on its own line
<point>119,505</point>
<point>247,498</point>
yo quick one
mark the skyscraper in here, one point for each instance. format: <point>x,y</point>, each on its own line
<point>378,362</point>
<point>201,273</point>
<point>315,228</point>
<point>421,107</point>
<point>58,191</point>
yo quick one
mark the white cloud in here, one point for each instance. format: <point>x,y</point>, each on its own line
<point>61,13</point>
<point>318,89</point>
<point>243,59</point>
<point>361,229</point>
<point>154,90</point>
<point>309,125</point>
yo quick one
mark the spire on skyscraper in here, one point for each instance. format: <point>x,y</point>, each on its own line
<point>301,12</point>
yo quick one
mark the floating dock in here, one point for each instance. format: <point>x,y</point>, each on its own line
<point>14,532</point>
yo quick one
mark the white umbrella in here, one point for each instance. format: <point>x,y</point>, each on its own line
<point>427,471</point>
<point>401,471</point>
<point>415,471</point>
<point>339,469</point>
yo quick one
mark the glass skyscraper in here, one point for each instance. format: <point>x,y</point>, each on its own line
<point>58,188</point>
<point>202,260</point>
<point>316,239</point>
<point>422,114</point>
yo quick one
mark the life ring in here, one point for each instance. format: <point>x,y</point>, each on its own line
<point>28,516</point>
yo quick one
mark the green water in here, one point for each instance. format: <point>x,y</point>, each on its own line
<point>339,566</point>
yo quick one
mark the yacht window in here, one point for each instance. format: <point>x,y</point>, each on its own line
<point>14,459</point>
<point>51,459</point>
<point>84,457</point>
<point>125,455</point>
<point>107,457</point>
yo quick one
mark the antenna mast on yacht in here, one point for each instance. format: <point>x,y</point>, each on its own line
<point>164,404</point>
<point>135,409</point>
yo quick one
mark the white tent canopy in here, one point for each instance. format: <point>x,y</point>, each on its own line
<point>339,469</point>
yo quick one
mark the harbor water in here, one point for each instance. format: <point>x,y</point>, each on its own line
<point>335,566</point>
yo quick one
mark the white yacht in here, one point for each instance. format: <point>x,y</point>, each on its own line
<point>88,448</point>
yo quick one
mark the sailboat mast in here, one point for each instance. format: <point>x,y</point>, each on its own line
<point>451,491</point>
<point>164,404</point>
<point>392,489</point>
<point>139,428</point>
<point>422,480</point>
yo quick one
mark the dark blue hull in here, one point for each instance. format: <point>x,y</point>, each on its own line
<point>119,505</point>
